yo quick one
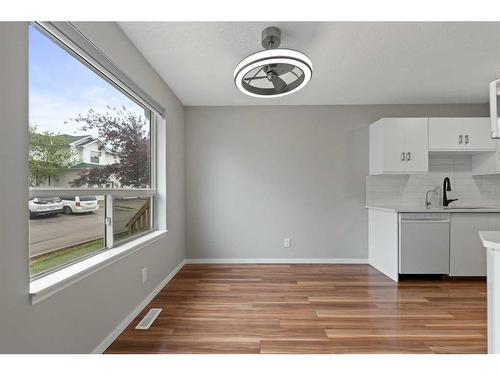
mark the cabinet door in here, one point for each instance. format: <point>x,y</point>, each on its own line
<point>467,254</point>
<point>417,145</point>
<point>394,145</point>
<point>477,134</point>
<point>444,133</point>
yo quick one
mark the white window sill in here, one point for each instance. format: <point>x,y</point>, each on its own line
<point>46,286</point>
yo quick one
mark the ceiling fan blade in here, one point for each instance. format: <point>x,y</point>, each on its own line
<point>278,83</point>
<point>281,69</point>
<point>252,78</point>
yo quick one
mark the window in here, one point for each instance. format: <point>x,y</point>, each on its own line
<point>91,156</point>
<point>94,157</point>
<point>131,217</point>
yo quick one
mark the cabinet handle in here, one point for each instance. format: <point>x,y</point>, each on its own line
<point>460,139</point>
<point>408,156</point>
<point>402,156</point>
<point>467,139</point>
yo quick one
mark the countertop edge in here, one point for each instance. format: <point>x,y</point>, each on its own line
<point>388,209</point>
<point>490,239</point>
<point>431,210</point>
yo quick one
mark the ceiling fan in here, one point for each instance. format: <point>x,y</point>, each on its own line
<point>273,72</point>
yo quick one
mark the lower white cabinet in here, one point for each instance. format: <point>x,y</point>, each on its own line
<point>467,255</point>
<point>445,243</point>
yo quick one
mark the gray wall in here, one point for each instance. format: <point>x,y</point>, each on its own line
<point>78,318</point>
<point>255,175</point>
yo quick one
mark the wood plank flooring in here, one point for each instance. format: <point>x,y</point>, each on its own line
<point>299,308</point>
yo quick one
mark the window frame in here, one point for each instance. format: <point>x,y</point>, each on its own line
<point>156,112</point>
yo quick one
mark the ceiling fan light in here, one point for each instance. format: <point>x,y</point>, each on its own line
<point>268,58</point>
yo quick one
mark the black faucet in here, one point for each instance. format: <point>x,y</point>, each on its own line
<point>447,187</point>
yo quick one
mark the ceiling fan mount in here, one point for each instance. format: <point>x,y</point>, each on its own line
<point>271,37</point>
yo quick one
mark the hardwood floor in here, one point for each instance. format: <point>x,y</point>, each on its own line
<point>309,309</point>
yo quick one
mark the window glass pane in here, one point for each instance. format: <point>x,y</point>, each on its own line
<point>131,216</point>
<point>63,230</point>
<point>83,130</point>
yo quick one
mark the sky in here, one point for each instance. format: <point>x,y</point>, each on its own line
<point>61,87</point>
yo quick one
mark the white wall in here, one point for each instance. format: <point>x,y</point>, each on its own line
<point>409,191</point>
<point>78,318</point>
<point>255,175</point>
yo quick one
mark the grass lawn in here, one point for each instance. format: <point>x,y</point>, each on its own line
<point>57,258</point>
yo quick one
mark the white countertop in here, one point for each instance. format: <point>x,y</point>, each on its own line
<point>490,239</point>
<point>433,209</point>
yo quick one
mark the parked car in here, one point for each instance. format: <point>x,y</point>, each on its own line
<point>45,206</point>
<point>78,205</point>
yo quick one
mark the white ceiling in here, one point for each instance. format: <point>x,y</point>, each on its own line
<point>354,63</point>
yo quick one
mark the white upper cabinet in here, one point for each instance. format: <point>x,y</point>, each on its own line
<point>417,154</point>
<point>394,136</point>
<point>444,134</point>
<point>402,145</point>
<point>460,134</point>
<point>484,163</point>
<point>477,134</point>
<point>399,146</point>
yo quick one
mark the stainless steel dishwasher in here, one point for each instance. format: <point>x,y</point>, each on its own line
<point>424,243</point>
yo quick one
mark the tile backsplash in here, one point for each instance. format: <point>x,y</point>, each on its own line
<point>409,190</point>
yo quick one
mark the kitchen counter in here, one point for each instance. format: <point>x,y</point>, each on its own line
<point>432,209</point>
<point>395,233</point>
<point>491,241</point>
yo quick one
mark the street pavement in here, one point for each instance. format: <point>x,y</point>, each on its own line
<point>55,232</point>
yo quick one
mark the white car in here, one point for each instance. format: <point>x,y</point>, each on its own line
<point>74,205</point>
<point>45,206</point>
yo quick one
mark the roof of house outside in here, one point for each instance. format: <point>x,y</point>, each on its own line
<point>76,138</point>
<point>90,140</point>
<point>73,138</point>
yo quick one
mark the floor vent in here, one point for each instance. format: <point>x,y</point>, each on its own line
<point>148,319</point>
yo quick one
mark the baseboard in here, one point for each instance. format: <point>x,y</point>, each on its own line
<point>280,261</point>
<point>130,317</point>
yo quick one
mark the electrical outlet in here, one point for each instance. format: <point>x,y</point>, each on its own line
<point>144,275</point>
<point>286,242</point>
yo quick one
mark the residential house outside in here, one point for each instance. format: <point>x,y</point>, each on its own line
<point>89,153</point>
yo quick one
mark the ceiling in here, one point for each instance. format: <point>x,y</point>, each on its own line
<point>354,62</point>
